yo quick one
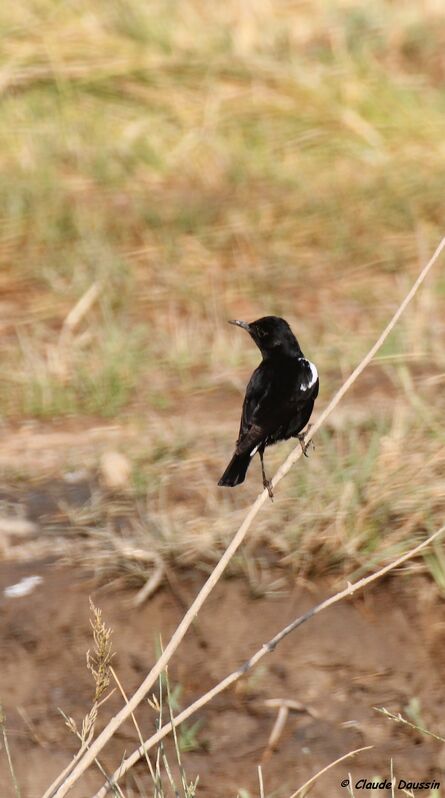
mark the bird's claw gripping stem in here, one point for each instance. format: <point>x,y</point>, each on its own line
<point>267,483</point>
<point>305,446</point>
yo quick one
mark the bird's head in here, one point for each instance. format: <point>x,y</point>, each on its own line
<point>272,335</point>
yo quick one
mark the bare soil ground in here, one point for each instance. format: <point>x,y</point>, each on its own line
<point>383,649</point>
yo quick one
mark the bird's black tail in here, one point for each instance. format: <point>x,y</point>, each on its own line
<point>235,472</point>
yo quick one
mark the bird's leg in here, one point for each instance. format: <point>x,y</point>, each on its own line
<point>266,482</point>
<point>305,446</point>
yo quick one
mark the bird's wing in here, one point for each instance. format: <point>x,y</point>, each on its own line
<point>251,432</point>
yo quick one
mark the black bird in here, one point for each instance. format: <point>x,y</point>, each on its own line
<point>279,398</point>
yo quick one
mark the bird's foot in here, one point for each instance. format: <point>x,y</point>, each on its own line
<point>305,446</point>
<point>267,483</point>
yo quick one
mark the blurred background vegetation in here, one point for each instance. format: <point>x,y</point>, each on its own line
<point>171,165</point>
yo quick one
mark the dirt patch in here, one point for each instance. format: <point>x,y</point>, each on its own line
<point>381,650</point>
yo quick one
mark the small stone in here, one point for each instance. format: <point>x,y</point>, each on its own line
<point>115,470</point>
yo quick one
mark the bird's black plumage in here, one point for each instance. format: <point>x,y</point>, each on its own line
<point>279,398</point>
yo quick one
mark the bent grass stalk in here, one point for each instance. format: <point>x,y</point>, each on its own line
<point>57,789</point>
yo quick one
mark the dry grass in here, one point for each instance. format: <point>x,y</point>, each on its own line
<point>354,509</point>
<point>266,648</point>
<point>70,778</point>
<point>194,163</point>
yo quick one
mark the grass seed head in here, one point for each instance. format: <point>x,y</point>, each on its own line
<point>99,661</point>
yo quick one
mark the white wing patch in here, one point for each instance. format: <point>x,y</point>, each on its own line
<point>313,379</point>
<point>254,451</point>
<point>314,373</point>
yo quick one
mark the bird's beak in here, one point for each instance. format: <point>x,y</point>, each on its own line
<point>242,324</point>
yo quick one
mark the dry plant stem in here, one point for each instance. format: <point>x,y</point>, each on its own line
<point>136,725</point>
<point>400,719</point>
<point>117,791</point>
<point>350,787</point>
<point>301,790</point>
<point>236,541</point>
<point>260,781</point>
<point>8,754</point>
<point>277,730</point>
<point>266,648</point>
<point>64,774</point>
